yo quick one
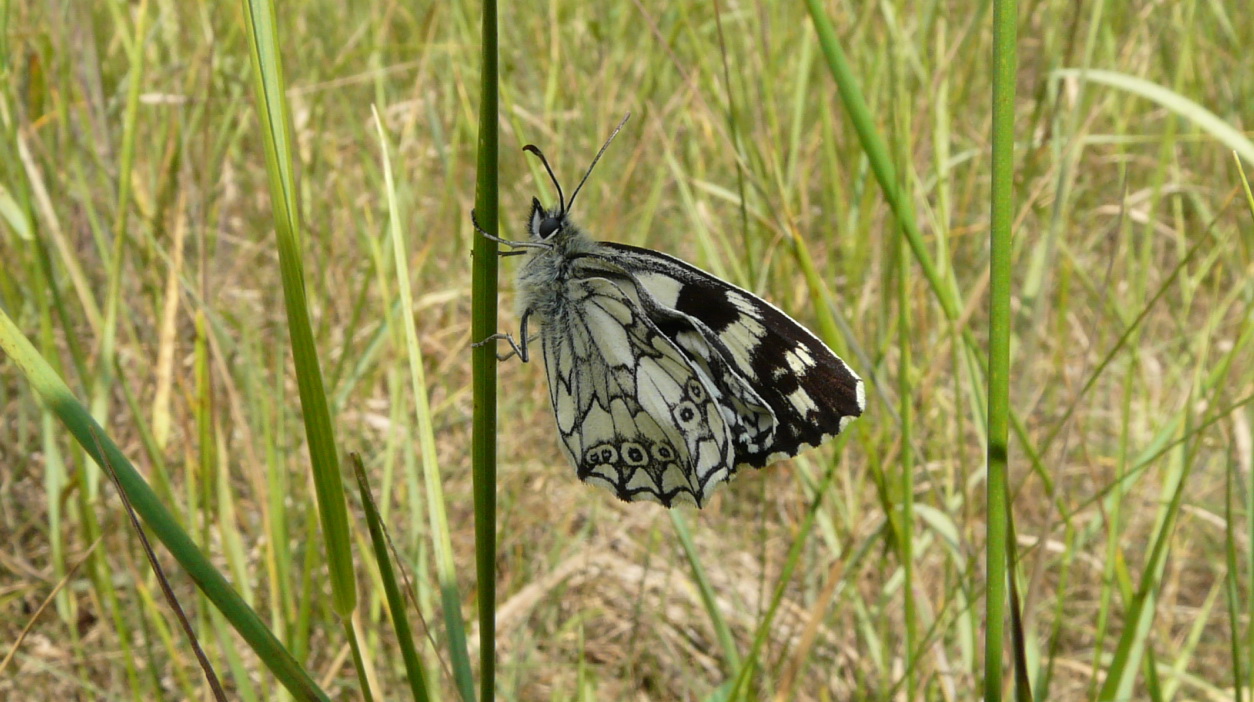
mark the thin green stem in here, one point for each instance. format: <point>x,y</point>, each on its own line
<point>1002,213</point>
<point>905,531</point>
<point>483,358</point>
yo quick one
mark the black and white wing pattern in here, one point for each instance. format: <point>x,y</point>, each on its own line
<point>664,379</point>
<point>810,392</point>
<point>634,415</point>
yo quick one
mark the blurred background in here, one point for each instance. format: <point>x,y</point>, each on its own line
<point>137,252</point>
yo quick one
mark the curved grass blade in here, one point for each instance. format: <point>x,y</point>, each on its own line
<point>53,391</point>
<point>442,541</point>
<point>1206,120</point>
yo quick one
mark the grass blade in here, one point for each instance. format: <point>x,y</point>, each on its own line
<point>1134,640</point>
<point>53,391</point>
<point>414,672</point>
<point>1206,120</point>
<point>877,152</point>
<point>211,676</point>
<point>446,572</point>
<point>717,620</point>
<point>268,84</point>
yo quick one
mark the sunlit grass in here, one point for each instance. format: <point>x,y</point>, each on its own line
<point>833,157</point>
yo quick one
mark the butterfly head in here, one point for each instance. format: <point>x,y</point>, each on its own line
<point>548,224</point>
<point>545,224</point>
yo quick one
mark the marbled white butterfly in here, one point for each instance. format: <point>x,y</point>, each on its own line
<point>665,380</point>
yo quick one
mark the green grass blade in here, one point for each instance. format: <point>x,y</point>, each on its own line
<point>171,600</point>
<point>717,620</point>
<point>446,571</point>
<point>1247,497</point>
<point>350,629</point>
<point>881,164</point>
<point>414,671</point>
<point>1206,120</point>
<point>1134,639</point>
<point>268,84</point>
<point>906,465</point>
<point>1232,587</point>
<point>53,391</point>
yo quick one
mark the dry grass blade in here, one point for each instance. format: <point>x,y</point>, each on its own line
<point>34,616</point>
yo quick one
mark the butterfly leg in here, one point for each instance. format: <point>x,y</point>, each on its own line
<point>516,244</point>
<point>519,350</point>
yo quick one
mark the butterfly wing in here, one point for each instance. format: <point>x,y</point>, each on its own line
<point>750,421</point>
<point>811,392</point>
<point>634,414</point>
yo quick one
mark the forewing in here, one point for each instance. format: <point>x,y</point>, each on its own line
<point>634,415</point>
<point>811,392</point>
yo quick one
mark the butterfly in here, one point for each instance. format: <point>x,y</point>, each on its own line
<point>664,379</point>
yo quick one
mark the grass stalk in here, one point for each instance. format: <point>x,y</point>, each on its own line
<point>1247,497</point>
<point>905,529</point>
<point>1005,18</point>
<point>483,358</point>
<point>731,655</point>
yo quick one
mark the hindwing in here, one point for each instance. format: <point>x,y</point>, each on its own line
<point>750,421</point>
<point>634,414</point>
<point>811,393</point>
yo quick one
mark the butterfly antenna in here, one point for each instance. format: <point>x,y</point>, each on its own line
<point>592,165</point>
<point>561,199</point>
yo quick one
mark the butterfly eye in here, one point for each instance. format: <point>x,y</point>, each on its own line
<point>549,226</point>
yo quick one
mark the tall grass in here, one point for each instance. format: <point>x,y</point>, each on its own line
<point>217,260</point>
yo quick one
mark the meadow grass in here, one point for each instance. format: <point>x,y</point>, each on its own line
<point>176,177</point>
